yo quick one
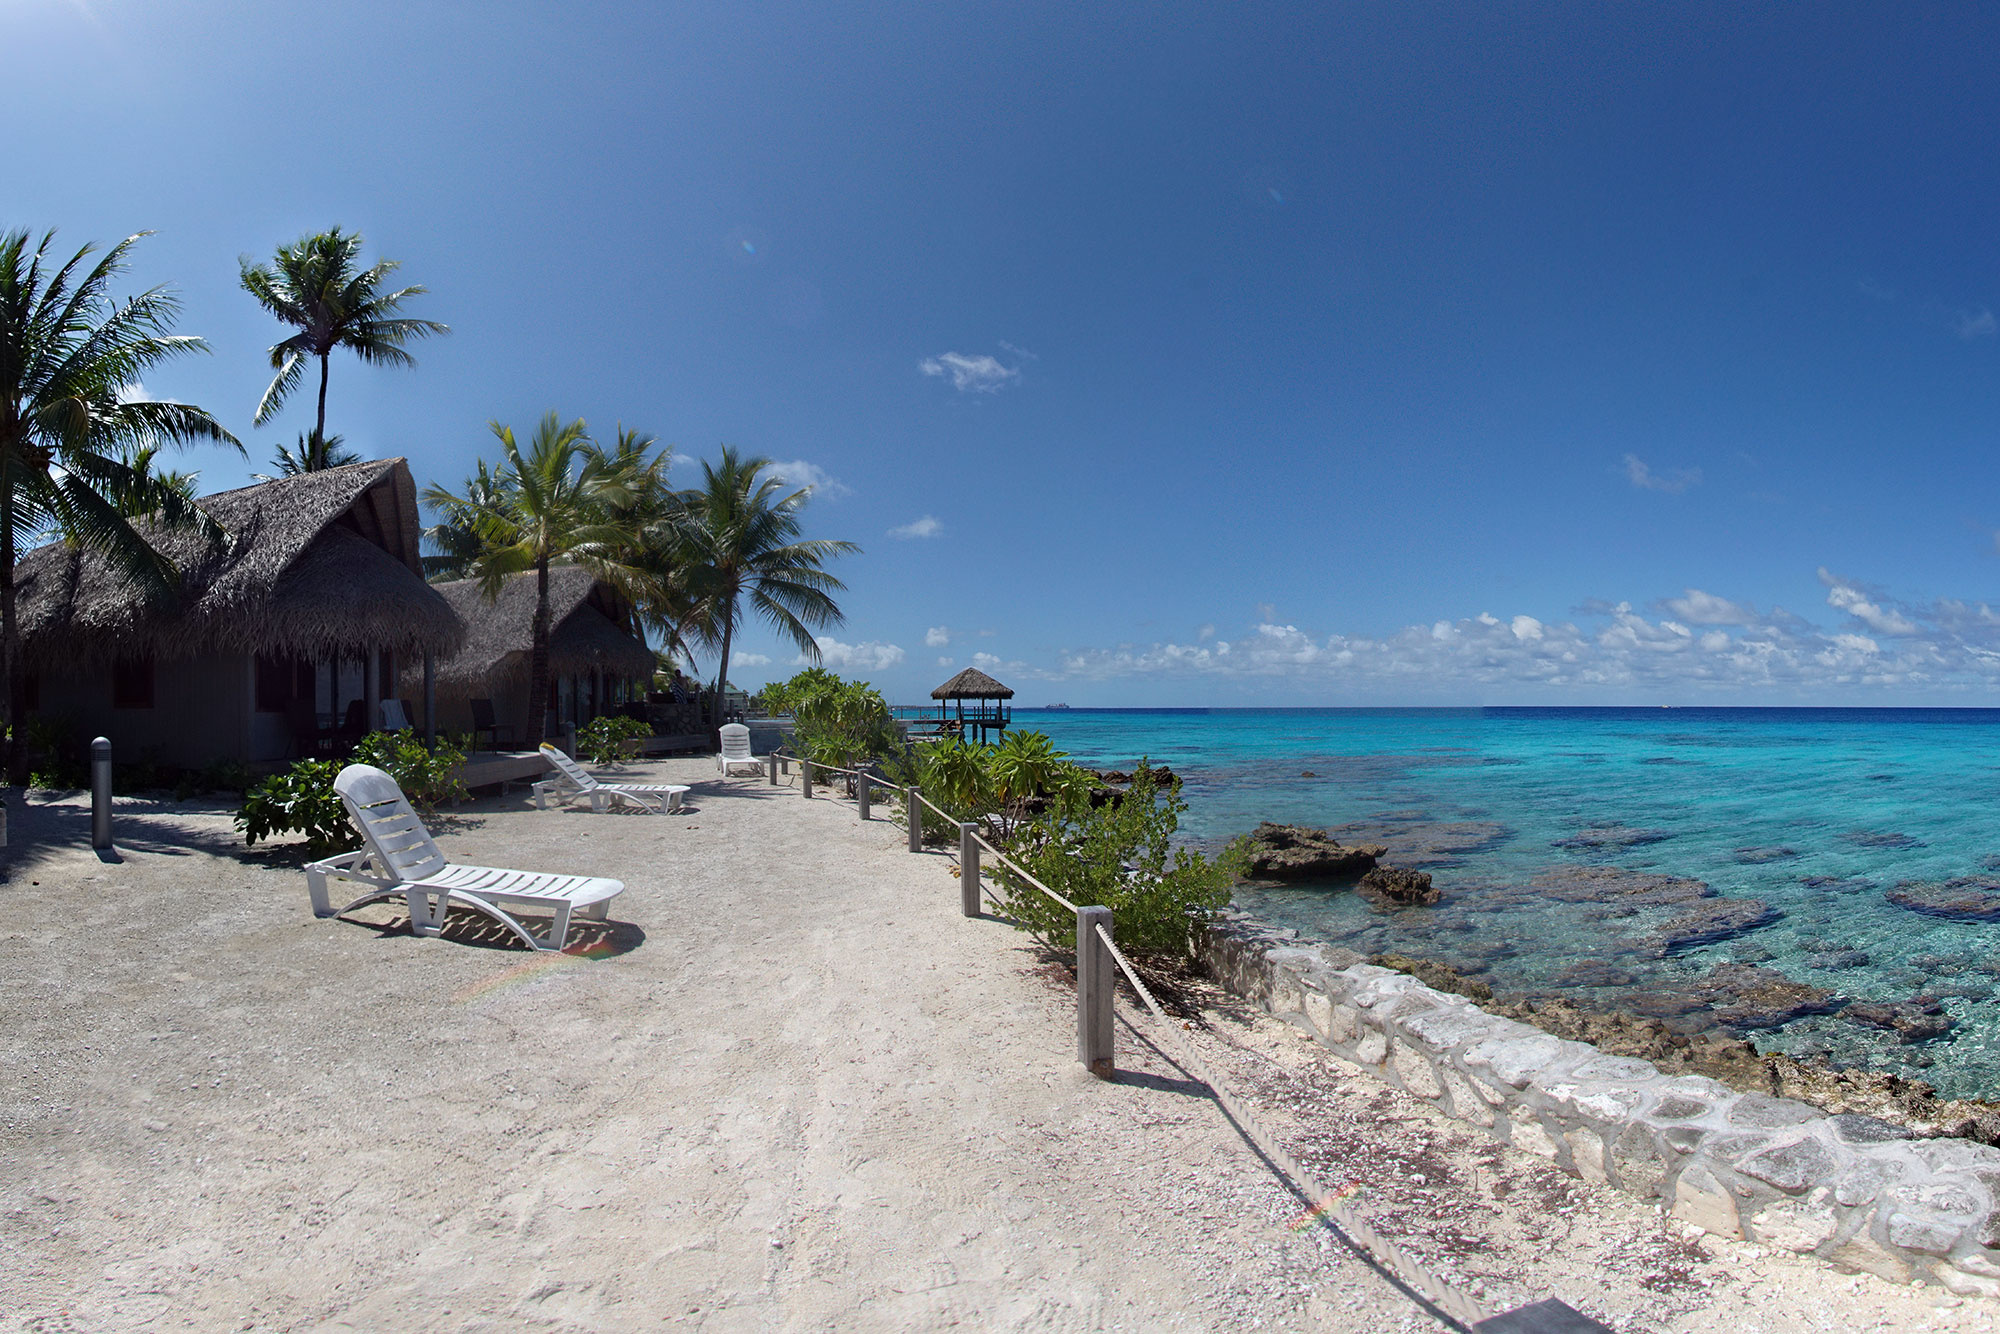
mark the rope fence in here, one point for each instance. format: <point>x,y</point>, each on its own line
<point>1098,963</point>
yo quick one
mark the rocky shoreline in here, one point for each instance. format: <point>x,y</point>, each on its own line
<point>1695,1030</point>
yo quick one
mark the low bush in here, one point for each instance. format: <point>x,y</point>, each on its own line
<point>611,739</point>
<point>300,800</point>
<point>835,722</point>
<point>1120,856</point>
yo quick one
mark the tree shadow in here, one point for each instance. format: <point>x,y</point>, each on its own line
<point>587,939</point>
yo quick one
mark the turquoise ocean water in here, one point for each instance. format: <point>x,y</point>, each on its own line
<point>1818,813</point>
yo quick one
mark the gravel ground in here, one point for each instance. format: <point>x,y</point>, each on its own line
<point>790,1087</point>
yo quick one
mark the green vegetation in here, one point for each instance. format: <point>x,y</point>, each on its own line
<point>72,425</point>
<point>317,286</point>
<point>550,505</point>
<point>302,801</point>
<point>611,739</point>
<point>739,541</point>
<point>834,722</point>
<point>1121,856</point>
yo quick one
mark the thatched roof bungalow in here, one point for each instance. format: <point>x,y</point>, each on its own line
<point>595,660</point>
<point>989,703</point>
<point>275,642</point>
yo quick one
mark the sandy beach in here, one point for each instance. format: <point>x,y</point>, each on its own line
<point>789,1088</point>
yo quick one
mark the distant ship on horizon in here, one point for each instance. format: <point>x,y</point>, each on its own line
<point>1055,706</point>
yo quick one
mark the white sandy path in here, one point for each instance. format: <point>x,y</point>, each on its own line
<point>813,1097</point>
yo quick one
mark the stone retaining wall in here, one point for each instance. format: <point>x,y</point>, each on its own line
<point>1853,1190</point>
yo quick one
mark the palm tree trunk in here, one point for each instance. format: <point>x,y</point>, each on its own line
<point>538,658</point>
<point>10,648</point>
<point>722,673</point>
<point>319,433</point>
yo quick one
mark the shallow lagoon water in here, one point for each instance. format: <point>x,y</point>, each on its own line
<point>1817,812</point>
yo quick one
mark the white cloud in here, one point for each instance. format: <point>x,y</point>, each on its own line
<point>749,660</point>
<point>797,472</point>
<point>1207,632</point>
<point>993,662</point>
<point>1699,608</point>
<point>947,662</point>
<point>133,392</point>
<point>924,527</point>
<point>1610,653</point>
<point>937,636</point>
<point>1673,483</point>
<point>1975,324</point>
<point>982,374</point>
<point>1842,595</point>
<point>872,656</point>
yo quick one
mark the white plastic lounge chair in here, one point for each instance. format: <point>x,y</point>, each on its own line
<point>736,750</point>
<point>400,860</point>
<point>572,780</point>
<point>393,717</point>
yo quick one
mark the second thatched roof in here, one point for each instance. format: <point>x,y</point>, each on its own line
<point>315,565</point>
<point>972,684</point>
<point>585,634</point>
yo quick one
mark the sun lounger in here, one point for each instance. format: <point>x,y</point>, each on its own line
<point>572,780</point>
<point>736,750</point>
<point>399,860</point>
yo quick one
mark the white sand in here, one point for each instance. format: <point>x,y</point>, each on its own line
<point>806,1094</point>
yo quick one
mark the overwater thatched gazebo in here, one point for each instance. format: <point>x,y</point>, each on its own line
<point>987,697</point>
<point>276,642</point>
<point>596,661</point>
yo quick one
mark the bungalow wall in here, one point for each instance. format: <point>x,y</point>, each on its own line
<point>197,710</point>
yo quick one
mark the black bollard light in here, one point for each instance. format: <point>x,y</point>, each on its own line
<point>100,793</point>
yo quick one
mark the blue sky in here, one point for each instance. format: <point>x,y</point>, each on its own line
<point>1155,355</point>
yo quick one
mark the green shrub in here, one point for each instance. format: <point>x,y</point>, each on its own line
<point>997,786</point>
<point>1119,856</point>
<point>611,739</point>
<point>835,722</point>
<point>300,800</point>
<point>428,777</point>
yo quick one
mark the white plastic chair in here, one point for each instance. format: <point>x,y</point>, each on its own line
<point>399,859</point>
<point>736,750</point>
<point>393,717</point>
<point>572,780</point>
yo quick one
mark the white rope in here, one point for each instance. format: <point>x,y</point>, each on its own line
<point>1327,1204</point>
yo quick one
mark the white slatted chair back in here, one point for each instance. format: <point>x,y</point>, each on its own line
<point>568,768</point>
<point>393,718</point>
<point>736,742</point>
<point>401,845</point>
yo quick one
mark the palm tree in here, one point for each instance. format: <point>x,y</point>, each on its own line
<point>312,455</point>
<point>315,285</point>
<point>741,540</point>
<point>546,507</point>
<point>639,498</point>
<point>73,435</point>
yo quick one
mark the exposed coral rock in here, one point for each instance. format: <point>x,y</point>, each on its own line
<point>1293,852</point>
<point>1436,976</point>
<point>1397,884</point>
<point>1425,843</point>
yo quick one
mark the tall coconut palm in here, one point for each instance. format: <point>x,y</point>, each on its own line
<point>312,455</point>
<point>640,499</point>
<point>741,542</point>
<point>72,429</point>
<point>317,286</point>
<point>544,507</point>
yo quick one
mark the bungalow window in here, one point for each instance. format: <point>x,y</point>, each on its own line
<point>280,681</point>
<point>132,683</point>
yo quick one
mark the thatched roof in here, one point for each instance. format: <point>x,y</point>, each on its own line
<point>318,564</point>
<point>972,684</point>
<point>584,630</point>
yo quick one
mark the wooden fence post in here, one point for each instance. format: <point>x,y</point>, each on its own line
<point>1093,993</point>
<point>861,793</point>
<point>968,869</point>
<point>913,806</point>
<point>772,759</point>
<point>806,778</point>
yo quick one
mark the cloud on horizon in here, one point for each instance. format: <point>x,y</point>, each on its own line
<point>1673,483</point>
<point>982,374</point>
<point>1703,644</point>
